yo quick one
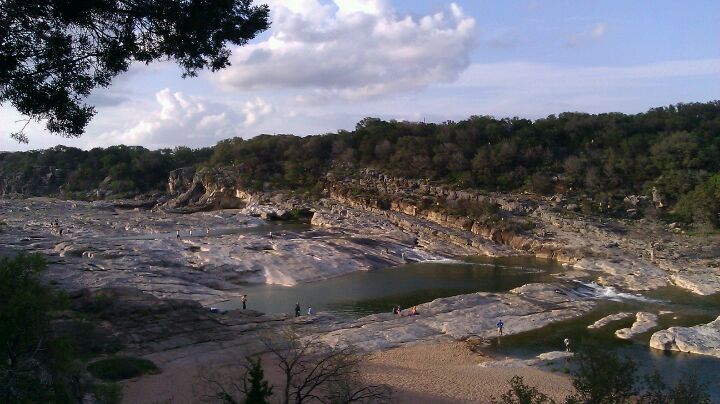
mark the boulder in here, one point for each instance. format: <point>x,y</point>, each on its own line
<point>644,322</point>
<point>609,319</point>
<point>703,339</point>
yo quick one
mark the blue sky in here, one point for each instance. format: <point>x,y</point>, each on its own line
<point>324,65</point>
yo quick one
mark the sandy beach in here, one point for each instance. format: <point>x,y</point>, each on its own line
<point>440,372</point>
<point>448,372</point>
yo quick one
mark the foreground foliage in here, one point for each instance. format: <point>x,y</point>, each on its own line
<point>35,365</point>
<point>601,377</point>
<point>121,367</point>
<point>54,53</point>
<point>311,372</point>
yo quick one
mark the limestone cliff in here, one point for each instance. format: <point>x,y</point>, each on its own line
<point>39,181</point>
<point>206,189</point>
<point>493,217</point>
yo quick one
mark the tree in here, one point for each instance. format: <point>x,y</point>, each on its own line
<point>602,378</point>
<point>259,389</point>
<point>314,372</point>
<point>34,364</point>
<point>687,390</point>
<point>521,393</point>
<point>54,53</point>
<point>311,372</point>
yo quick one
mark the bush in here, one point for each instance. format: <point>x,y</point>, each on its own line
<point>35,365</point>
<point>107,393</point>
<point>521,393</point>
<point>121,367</point>
<point>687,390</point>
<point>602,377</point>
<point>701,205</point>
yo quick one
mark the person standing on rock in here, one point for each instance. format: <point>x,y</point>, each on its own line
<point>271,237</point>
<point>567,344</point>
<point>651,249</point>
<point>500,326</point>
<point>297,309</point>
<point>177,234</point>
<point>243,299</point>
<point>190,233</point>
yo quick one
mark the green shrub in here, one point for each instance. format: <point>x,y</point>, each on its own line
<point>107,393</point>
<point>121,367</point>
<point>521,393</point>
<point>701,205</point>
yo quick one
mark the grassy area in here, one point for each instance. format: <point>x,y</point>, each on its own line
<point>107,393</point>
<point>121,367</point>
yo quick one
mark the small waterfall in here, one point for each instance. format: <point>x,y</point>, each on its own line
<point>594,291</point>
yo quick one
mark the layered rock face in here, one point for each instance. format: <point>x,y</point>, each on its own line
<point>379,193</point>
<point>207,189</point>
<point>40,181</point>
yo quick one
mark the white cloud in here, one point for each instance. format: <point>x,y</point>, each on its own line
<point>186,120</point>
<point>598,30</point>
<point>593,33</point>
<point>352,49</point>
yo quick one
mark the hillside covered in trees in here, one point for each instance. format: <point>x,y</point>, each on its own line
<point>597,160</point>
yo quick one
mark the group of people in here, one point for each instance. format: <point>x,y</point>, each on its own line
<point>500,326</point>
<point>397,310</point>
<point>310,311</point>
<point>56,225</point>
<point>177,233</point>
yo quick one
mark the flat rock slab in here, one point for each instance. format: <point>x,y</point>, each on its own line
<point>527,308</point>
<point>609,319</point>
<point>703,283</point>
<point>544,359</point>
<point>701,339</point>
<point>644,322</point>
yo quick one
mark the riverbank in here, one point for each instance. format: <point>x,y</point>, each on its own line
<point>443,372</point>
<point>449,372</point>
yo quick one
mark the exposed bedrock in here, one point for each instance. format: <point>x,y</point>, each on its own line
<point>460,317</point>
<point>644,322</point>
<point>701,339</point>
<point>633,256</point>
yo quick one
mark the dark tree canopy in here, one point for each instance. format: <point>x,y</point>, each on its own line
<point>595,161</point>
<point>53,53</point>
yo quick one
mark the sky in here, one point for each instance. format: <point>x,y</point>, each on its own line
<point>326,64</point>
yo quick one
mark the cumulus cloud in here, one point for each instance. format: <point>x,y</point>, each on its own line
<point>182,119</point>
<point>352,49</point>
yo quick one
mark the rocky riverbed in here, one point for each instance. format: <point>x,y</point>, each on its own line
<point>106,246</point>
<point>216,254</point>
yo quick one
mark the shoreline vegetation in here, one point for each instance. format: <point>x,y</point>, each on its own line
<point>664,158</point>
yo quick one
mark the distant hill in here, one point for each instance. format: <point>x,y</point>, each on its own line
<point>598,160</point>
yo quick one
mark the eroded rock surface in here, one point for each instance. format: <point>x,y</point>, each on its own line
<point>644,322</point>
<point>609,319</point>
<point>701,339</point>
<point>459,317</point>
<point>217,253</point>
